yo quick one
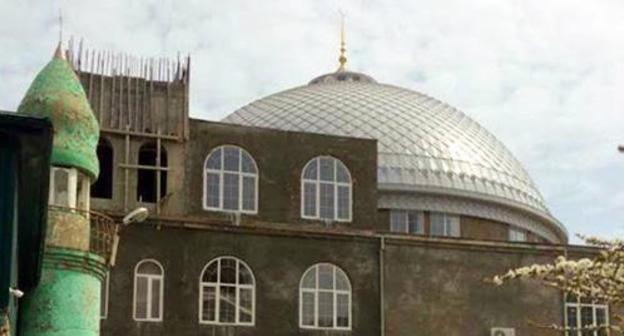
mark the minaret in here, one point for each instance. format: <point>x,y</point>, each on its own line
<point>67,300</point>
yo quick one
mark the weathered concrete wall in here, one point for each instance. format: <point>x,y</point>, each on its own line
<point>277,261</point>
<point>280,157</point>
<point>437,288</point>
<point>431,286</point>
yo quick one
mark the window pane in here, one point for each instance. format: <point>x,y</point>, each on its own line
<point>228,270</point>
<point>212,190</point>
<point>227,304</point>
<point>326,276</point>
<point>149,267</point>
<point>601,320</point>
<point>342,283</point>
<point>140,305</point>
<point>327,169</point>
<point>307,309</point>
<point>231,158</point>
<point>327,201</point>
<point>326,309</point>
<point>214,161</point>
<point>309,280</point>
<point>61,187</point>
<point>398,221</point>
<point>437,224</point>
<point>156,283</point>
<point>210,274</point>
<point>342,175</point>
<point>342,310</point>
<point>414,221</point>
<point>249,193</point>
<point>344,208</point>
<point>247,163</point>
<point>309,199</point>
<point>246,305</point>
<point>244,276</point>
<point>209,303</point>
<point>453,225</point>
<point>230,191</point>
<point>587,319</point>
<point>572,320</point>
<point>310,170</point>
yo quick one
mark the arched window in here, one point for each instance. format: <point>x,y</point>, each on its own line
<point>326,190</point>
<point>230,180</point>
<point>149,278</point>
<point>103,187</point>
<point>325,298</point>
<point>149,173</point>
<point>227,293</point>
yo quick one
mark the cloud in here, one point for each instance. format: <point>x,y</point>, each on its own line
<point>547,78</point>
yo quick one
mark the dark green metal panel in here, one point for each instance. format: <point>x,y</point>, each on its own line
<point>25,149</point>
<point>8,228</point>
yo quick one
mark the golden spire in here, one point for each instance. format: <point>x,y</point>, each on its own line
<point>342,59</point>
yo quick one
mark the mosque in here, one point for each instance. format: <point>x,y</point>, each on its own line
<point>343,206</point>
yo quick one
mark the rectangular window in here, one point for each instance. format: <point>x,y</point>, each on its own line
<point>307,309</point>
<point>342,316</point>
<point>227,304</point>
<point>208,300</point>
<point>148,300</point>
<point>213,189</point>
<point>309,191</point>
<point>517,235</point>
<point>343,202</point>
<point>579,314</point>
<point>249,193</point>
<point>403,221</point>
<point>327,200</point>
<point>246,305</point>
<point>230,191</point>
<point>445,225</point>
<point>325,309</point>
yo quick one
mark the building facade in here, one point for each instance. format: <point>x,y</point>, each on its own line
<point>341,207</point>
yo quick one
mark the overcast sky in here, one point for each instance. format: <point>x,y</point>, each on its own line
<point>546,77</point>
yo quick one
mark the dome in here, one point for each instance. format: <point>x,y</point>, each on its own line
<point>56,94</point>
<point>424,145</point>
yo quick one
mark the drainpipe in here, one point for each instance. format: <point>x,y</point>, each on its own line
<point>382,310</point>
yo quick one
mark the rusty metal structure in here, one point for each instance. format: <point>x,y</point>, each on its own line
<point>136,100</point>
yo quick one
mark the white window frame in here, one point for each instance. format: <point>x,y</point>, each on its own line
<point>75,179</point>
<point>217,286</point>
<point>578,306</point>
<point>405,220</point>
<point>448,223</point>
<point>517,235</point>
<point>317,183</point>
<point>334,292</point>
<point>150,281</point>
<point>72,186</point>
<point>106,292</point>
<point>240,175</point>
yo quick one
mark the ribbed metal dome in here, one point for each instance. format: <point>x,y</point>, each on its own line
<point>424,144</point>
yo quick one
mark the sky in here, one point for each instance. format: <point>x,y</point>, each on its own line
<point>545,77</point>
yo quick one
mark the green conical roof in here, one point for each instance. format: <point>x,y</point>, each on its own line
<point>56,94</point>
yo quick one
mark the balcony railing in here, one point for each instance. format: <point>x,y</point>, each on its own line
<point>102,230</point>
